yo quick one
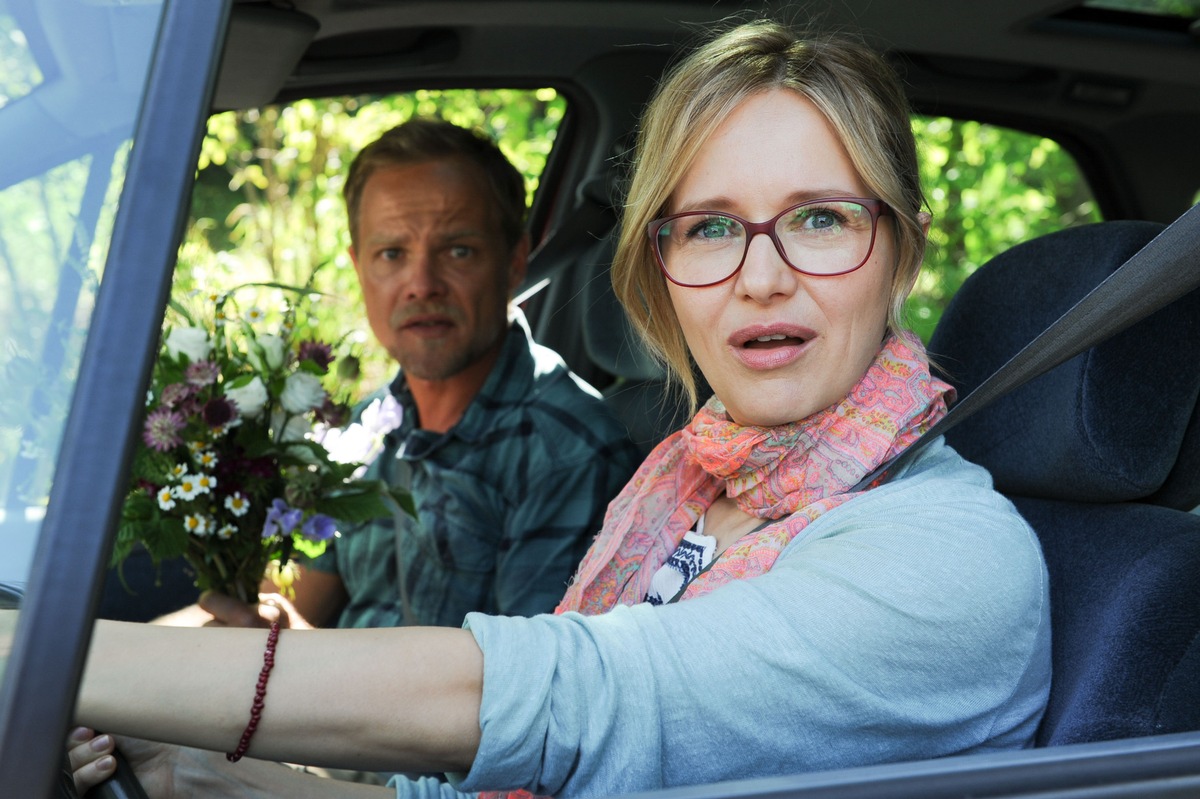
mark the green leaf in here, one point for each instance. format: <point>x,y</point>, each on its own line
<point>183,312</point>
<point>367,500</point>
<point>404,500</point>
<point>353,508</point>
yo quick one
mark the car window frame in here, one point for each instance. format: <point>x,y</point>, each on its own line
<point>1162,767</point>
<point>54,628</point>
<point>1120,768</point>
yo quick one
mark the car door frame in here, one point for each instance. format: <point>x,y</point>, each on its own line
<point>54,628</point>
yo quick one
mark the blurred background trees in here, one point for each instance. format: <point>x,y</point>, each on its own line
<point>267,205</point>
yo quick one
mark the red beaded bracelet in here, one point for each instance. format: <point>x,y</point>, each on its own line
<point>260,693</point>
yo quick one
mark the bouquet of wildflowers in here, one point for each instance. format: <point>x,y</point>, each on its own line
<point>239,467</point>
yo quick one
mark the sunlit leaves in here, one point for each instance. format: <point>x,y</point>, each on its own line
<point>988,188</point>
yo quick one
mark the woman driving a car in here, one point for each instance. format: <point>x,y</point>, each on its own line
<point>743,612</point>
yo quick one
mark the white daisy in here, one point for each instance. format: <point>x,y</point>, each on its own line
<point>197,525</point>
<point>165,500</point>
<point>187,488</point>
<point>237,504</point>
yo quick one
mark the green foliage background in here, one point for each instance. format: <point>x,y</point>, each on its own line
<point>988,188</point>
<point>267,203</point>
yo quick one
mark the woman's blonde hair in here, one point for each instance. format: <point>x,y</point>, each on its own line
<point>856,90</point>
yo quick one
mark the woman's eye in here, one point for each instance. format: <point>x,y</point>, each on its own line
<point>822,219</point>
<point>711,227</point>
<point>815,219</point>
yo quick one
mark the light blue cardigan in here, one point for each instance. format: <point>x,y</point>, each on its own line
<point>909,623</point>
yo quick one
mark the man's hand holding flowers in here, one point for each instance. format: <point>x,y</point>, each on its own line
<point>232,476</point>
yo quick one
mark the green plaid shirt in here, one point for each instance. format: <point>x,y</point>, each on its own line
<point>507,500</point>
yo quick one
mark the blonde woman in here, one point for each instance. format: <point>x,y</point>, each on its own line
<point>742,613</point>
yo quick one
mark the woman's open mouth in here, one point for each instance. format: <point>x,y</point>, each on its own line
<point>772,341</point>
<point>770,346</point>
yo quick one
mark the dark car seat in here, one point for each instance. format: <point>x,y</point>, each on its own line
<point>640,394</point>
<point>1102,456</point>
<point>579,316</point>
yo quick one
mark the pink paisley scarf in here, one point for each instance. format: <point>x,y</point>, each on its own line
<point>792,473</point>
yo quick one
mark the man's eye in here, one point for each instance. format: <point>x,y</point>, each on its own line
<point>461,251</point>
<point>390,254</point>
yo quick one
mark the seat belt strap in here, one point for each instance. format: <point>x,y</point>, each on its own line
<point>1164,270</point>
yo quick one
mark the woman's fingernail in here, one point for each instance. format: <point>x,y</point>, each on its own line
<point>101,743</point>
<point>79,735</point>
<point>106,763</point>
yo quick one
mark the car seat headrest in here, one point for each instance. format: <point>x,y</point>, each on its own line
<point>1115,423</point>
<point>607,334</point>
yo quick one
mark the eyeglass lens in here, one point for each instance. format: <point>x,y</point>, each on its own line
<point>818,238</point>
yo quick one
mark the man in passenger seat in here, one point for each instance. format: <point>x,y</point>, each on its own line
<point>510,457</point>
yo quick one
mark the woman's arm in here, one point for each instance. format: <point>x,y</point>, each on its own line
<point>381,699</point>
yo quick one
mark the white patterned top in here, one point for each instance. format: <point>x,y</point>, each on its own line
<point>693,555</point>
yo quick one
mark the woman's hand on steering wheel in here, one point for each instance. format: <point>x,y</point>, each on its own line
<point>92,758</point>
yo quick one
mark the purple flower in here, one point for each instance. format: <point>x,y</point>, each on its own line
<point>218,411</point>
<point>176,394</point>
<point>281,519</point>
<point>202,373</point>
<point>260,467</point>
<point>318,352</point>
<point>161,431</point>
<point>331,413</point>
<point>319,527</point>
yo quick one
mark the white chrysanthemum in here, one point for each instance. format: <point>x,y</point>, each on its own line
<point>302,392</point>
<point>178,470</point>
<point>205,483</point>
<point>249,398</point>
<point>190,341</point>
<point>206,459</point>
<point>266,353</point>
<point>227,532</point>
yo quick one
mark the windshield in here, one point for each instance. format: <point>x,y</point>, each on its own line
<point>71,78</point>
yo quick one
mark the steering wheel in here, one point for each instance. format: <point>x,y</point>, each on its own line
<point>124,783</point>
